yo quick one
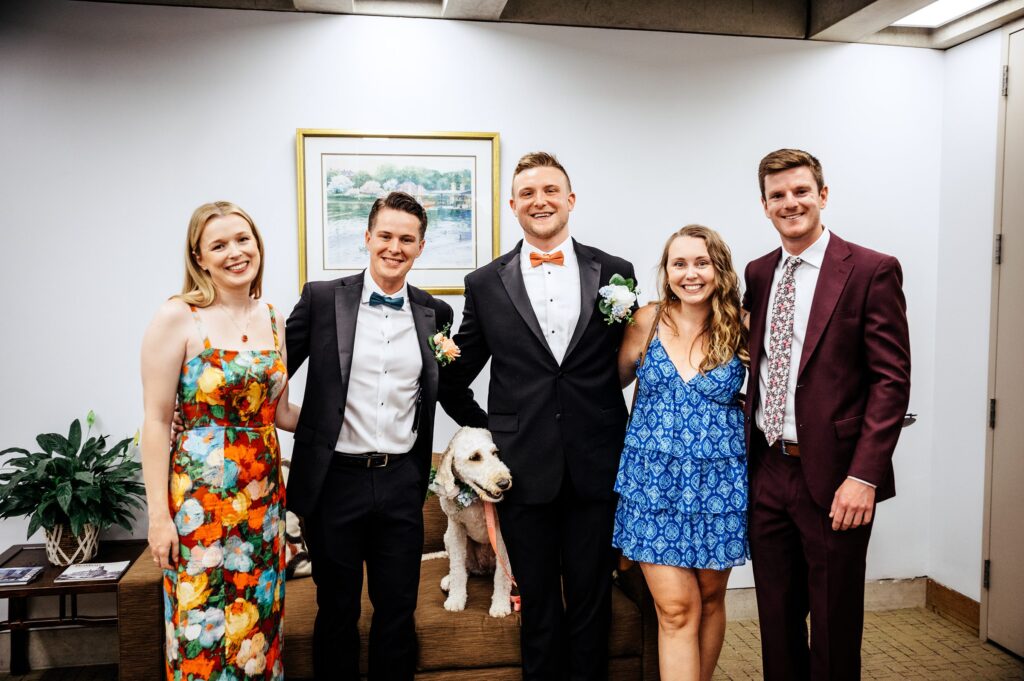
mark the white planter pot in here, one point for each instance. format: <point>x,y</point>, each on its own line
<point>64,548</point>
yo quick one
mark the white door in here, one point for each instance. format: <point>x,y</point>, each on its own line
<point>1005,621</point>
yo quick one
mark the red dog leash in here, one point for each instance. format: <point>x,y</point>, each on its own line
<point>492,534</point>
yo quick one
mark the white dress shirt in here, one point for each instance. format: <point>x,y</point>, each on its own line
<point>384,383</point>
<point>554,292</point>
<point>805,279</point>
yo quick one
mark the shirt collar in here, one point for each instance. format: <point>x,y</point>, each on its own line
<point>370,286</point>
<point>815,253</point>
<point>566,247</point>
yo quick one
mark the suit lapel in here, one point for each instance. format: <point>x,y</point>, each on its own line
<point>835,272</point>
<point>590,282</point>
<point>426,326</point>
<point>346,312</point>
<point>512,278</point>
<point>759,307</point>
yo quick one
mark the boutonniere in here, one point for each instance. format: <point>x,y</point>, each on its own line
<point>444,348</point>
<point>617,299</point>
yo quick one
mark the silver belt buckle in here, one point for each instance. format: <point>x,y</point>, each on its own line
<point>369,462</point>
<point>783,444</point>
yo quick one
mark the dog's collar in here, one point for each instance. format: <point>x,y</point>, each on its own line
<point>466,497</point>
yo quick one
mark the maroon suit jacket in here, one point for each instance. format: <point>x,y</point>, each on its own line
<point>853,384</point>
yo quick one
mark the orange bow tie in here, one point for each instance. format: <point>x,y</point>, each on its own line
<point>555,258</point>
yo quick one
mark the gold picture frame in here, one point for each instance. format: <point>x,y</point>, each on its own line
<point>341,172</point>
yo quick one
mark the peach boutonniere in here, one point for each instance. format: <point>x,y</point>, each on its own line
<point>444,348</point>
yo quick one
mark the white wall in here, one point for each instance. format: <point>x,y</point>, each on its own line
<point>963,287</point>
<point>118,120</point>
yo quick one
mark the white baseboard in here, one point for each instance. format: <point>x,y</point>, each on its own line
<point>879,594</point>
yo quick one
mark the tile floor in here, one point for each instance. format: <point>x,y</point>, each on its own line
<point>903,645</point>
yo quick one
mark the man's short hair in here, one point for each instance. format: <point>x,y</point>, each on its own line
<point>403,202</point>
<point>540,159</point>
<point>784,159</point>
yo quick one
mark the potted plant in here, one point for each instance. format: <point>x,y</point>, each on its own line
<point>71,489</point>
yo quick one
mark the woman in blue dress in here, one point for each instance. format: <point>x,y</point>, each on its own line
<point>682,480</point>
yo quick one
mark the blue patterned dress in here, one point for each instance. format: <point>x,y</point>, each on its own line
<point>682,478</point>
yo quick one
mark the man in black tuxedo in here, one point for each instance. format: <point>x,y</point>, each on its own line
<point>556,410</point>
<point>363,442</point>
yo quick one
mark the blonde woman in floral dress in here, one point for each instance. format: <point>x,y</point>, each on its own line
<point>216,502</point>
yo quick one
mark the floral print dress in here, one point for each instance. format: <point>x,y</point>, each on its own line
<point>223,602</point>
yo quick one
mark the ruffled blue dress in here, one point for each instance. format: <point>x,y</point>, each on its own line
<point>682,479</point>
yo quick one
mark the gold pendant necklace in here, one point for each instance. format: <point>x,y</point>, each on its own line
<point>248,318</point>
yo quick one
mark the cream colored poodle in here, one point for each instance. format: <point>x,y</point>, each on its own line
<point>470,471</point>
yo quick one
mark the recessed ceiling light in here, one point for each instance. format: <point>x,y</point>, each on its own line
<point>941,12</point>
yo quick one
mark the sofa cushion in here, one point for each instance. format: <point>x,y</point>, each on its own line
<point>451,640</point>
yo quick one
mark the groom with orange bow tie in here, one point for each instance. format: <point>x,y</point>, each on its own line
<point>556,411</point>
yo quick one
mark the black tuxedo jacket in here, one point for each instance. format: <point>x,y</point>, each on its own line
<point>322,329</point>
<point>547,419</point>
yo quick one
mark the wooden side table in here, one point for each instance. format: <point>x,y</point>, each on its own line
<point>19,623</point>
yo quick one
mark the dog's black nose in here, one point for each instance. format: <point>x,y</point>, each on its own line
<point>504,484</point>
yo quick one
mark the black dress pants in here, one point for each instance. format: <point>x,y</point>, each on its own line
<point>562,548</point>
<point>373,515</point>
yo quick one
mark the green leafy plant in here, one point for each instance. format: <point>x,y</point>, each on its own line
<point>71,482</point>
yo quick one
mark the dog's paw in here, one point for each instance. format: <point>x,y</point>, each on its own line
<point>444,583</point>
<point>500,608</point>
<point>455,602</point>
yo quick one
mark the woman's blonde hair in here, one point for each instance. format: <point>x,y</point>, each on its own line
<point>198,288</point>
<point>724,330</point>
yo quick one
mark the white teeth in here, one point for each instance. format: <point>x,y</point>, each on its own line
<point>693,287</point>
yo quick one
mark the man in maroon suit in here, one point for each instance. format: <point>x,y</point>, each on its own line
<point>829,386</point>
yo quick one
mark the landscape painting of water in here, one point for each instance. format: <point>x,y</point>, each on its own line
<point>444,185</point>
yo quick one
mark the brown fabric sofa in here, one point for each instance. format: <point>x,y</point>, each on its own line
<point>463,646</point>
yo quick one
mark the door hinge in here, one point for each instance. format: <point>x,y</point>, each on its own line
<point>986,577</point>
<point>992,413</point>
<point>1006,78</point>
<point>997,255</point>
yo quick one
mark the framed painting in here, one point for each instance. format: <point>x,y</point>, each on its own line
<point>454,175</point>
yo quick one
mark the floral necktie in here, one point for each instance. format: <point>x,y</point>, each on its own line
<point>780,347</point>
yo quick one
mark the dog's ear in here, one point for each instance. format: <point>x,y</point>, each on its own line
<point>445,478</point>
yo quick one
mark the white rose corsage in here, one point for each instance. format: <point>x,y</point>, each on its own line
<point>617,300</point>
<point>444,348</point>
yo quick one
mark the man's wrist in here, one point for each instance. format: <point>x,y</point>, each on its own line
<point>869,484</point>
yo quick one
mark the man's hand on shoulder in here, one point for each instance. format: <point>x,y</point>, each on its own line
<point>853,505</point>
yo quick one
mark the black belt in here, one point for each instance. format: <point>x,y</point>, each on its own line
<point>369,460</point>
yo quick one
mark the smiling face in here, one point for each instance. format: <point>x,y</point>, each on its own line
<point>690,272</point>
<point>229,252</point>
<point>542,201</point>
<point>793,202</point>
<point>394,244</point>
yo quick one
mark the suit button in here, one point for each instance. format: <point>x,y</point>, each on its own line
<point>558,417</point>
<point>561,374</point>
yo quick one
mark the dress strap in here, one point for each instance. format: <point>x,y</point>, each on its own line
<point>199,325</point>
<point>273,326</point>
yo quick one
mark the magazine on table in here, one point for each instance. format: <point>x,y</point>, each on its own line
<point>19,576</point>
<point>87,572</point>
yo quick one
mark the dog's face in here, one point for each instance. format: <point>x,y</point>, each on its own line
<point>474,461</point>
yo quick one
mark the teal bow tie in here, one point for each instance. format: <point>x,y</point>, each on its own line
<point>377,299</point>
